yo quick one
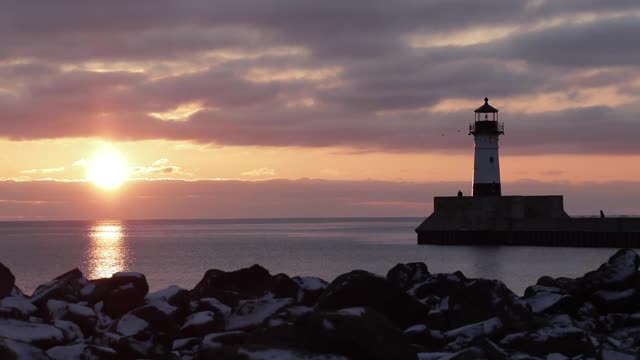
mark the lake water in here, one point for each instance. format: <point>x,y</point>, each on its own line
<point>180,251</point>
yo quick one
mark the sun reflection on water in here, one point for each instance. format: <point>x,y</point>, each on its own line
<point>107,253</point>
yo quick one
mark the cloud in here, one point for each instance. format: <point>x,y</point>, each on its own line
<point>42,171</point>
<point>158,167</point>
<point>260,172</point>
<point>263,73</point>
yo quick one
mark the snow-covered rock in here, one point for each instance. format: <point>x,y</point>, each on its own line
<point>70,331</point>
<point>202,323</point>
<point>283,354</point>
<point>64,287</point>
<point>31,333</point>
<point>566,340</point>
<point>211,304</point>
<point>84,316</point>
<point>614,274</point>
<point>440,285</point>
<point>162,316</point>
<point>469,332</point>
<point>252,313</point>
<point>174,295</point>
<point>311,288</point>
<point>129,325</point>
<point>21,306</point>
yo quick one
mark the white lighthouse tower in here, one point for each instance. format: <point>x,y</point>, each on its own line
<point>486,130</point>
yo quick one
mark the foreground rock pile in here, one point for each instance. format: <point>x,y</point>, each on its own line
<point>251,314</point>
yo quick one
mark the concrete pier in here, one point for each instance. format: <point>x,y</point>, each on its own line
<point>521,220</point>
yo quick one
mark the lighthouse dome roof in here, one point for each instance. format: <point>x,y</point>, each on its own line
<point>486,108</point>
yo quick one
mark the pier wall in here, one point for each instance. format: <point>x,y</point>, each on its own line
<point>522,220</point>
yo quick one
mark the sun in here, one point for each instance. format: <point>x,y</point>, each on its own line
<point>108,169</point>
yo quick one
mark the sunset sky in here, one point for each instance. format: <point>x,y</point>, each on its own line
<point>343,108</point>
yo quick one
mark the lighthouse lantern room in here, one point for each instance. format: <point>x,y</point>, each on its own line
<point>486,130</point>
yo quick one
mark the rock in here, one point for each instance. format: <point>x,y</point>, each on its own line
<point>468,333</point>
<point>282,286</point>
<point>7,281</point>
<point>355,334</point>
<point>248,283</point>
<point>82,352</point>
<point>65,287</point>
<point>569,341</point>
<point>471,353</point>
<point>614,274</point>
<point>481,299</point>
<point>20,307</point>
<point>83,316</point>
<point>185,343</point>
<point>440,285</point>
<point>213,346</point>
<point>130,325</point>
<point>567,285</point>
<point>616,301</point>
<point>41,335</point>
<point>265,353</point>
<point>407,276</point>
<point>491,349</point>
<point>312,288</point>
<point>544,299</point>
<point>161,316</point>
<point>361,288</point>
<point>70,331</point>
<point>202,323</point>
<point>252,313</point>
<point>15,350</point>
<point>607,354</point>
<point>157,346</point>
<point>420,334</point>
<point>123,292</point>
<point>173,295</point>
<point>211,304</point>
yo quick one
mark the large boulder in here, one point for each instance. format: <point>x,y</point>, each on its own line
<point>121,292</point>
<point>247,283</point>
<point>617,273</point>
<point>7,281</point>
<point>545,299</point>
<point>17,307</point>
<point>253,313</point>
<point>162,316</point>
<point>364,289</point>
<point>66,287</point>
<point>407,276</point>
<point>481,300</point>
<point>357,333</point>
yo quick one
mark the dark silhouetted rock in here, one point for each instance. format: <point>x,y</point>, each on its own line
<point>122,292</point>
<point>201,324</point>
<point>608,301</point>
<point>566,340</point>
<point>247,283</point>
<point>491,349</point>
<point>65,287</point>
<point>282,286</point>
<point>407,276</point>
<point>440,285</point>
<point>157,346</point>
<point>174,295</point>
<point>7,281</point>
<point>219,345</point>
<point>361,288</point>
<point>357,333</point>
<point>544,299</point>
<point>615,274</point>
<point>251,352</point>
<point>481,299</point>
<point>431,340</point>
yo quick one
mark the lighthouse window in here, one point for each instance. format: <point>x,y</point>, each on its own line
<point>491,159</point>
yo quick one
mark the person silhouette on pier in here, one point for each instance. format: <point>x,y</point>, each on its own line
<point>601,214</point>
<point>459,192</point>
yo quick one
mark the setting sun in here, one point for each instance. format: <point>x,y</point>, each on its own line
<point>107,170</point>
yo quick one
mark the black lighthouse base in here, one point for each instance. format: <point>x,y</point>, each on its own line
<point>492,189</point>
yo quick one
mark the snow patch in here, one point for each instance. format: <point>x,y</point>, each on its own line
<point>130,325</point>
<point>252,313</point>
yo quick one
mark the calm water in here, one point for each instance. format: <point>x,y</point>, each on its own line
<point>180,251</point>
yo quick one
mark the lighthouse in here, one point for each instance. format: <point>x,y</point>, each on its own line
<point>486,130</point>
